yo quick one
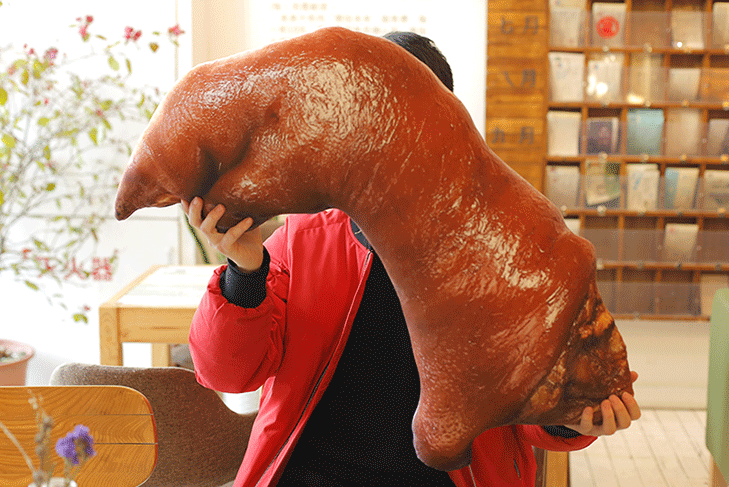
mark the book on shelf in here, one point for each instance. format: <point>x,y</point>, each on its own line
<point>566,76</point>
<point>602,184</point>
<point>602,134</point>
<point>683,131</point>
<point>608,24</point>
<point>720,25</point>
<point>566,26</point>
<point>644,131</point>
<point>683,84</point>
<point>562,185</point>
<point>604,79</point>
<point>642,186</point>
<point>710,283</point>
<point>573,224</point>
<point>645,78</point>
<point>716,189</point>
<point>687,29</point>
<point>563,133</point>
<point>718,137</point>
<point>680,187</point>
<point>679,242</point>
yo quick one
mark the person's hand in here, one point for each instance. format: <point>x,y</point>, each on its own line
<point>617,414</point>
<point>243,247</point>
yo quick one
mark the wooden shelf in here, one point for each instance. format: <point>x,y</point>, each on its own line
<point>518,101</point>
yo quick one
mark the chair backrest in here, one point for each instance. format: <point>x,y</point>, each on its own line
<point>201,441</point>
<point>717,410</point>
<point>119,419</point>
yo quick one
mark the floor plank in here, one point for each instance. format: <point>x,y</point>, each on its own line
<point>665,448</point>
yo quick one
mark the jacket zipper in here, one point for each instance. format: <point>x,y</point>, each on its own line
<point>318,382</point>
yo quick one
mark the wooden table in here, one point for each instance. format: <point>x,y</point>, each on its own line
<point>157,308</point>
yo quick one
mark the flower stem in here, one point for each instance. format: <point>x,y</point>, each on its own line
<point>13,439</point>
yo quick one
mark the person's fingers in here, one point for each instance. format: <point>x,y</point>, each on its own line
<point>234,233</point>
<point>211,220</point>
<point>586,419</point>
<point>185,205</point>
<point>608,417</point>
<point>621,414</point>
<point>633,376</point>
<point>194,212</point>
<point>631,405</point>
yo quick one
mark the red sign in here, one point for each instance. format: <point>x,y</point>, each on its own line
<point>608,27</point>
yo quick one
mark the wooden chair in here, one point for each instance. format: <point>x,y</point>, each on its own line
<point>717,410</point>
<point>201,442</point>
<point>120,420</point>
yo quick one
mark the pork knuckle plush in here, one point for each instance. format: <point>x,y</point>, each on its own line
<point>500,298</point>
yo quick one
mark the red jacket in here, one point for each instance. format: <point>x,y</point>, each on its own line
<point>291,344</point>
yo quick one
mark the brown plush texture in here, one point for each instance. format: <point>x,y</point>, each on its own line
<point>500,298</point>
<point>201,442</point>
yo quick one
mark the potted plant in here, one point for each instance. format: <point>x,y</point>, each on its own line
<point>64,138</point>
<point>14,357</point>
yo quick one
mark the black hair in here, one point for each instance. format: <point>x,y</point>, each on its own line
<point>425,50</point>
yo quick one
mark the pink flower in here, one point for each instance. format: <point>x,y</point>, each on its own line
<point>83,32</point>
<point>51,54</point>
<point>89,19</point>
<point>175,30</point>
<point>131,34</point>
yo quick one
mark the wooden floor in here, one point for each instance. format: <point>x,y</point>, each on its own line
<point>665,448</point>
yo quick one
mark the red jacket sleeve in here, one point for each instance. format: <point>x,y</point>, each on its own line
<point>237,349</point>
<point>537,436</point>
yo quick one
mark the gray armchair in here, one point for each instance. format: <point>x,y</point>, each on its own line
<point>201,441</point>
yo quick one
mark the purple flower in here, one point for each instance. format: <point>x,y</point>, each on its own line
<point>76,446</point>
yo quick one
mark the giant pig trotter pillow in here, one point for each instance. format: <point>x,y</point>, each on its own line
<point>500,298</point>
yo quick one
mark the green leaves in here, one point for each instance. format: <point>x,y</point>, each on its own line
<point>3,96</point>
<point>8,141</point>
<point>113,63</point>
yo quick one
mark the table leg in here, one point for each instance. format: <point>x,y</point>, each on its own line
<point>111,347</point>
<point>161,355</point>
<point>557,466</point>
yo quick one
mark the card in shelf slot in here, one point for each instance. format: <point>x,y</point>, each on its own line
<point>608,24</point>
<point>687,29</point>
<point>680,187</point>
<point>573,224</point>
<point>679,242</point>
<point>683,84</point>
<point>645,131</point>
<point>646,78</point>
<point>720,25</point>
<point>642,187</point>
<point>602,184</point>
<point>683,132</point>
<point>562,185</point>
<point>605,78</point>
<point>566,76</point>
<point>602,135</point>
<point>718,137</point>
<point>716,189</point>
<point>566,26</point>
<point>563,133</point>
